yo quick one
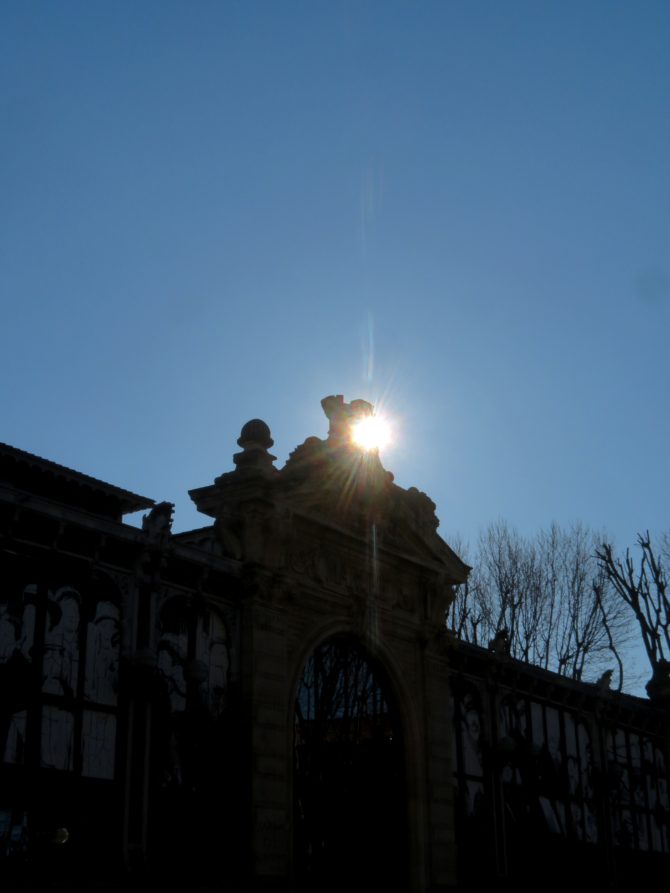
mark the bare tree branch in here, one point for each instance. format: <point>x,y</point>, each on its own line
<point>644,589</point>
<point>541,591</point>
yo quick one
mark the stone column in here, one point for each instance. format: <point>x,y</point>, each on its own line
<point>268,715</point>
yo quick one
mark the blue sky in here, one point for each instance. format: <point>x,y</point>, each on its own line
<point>219,211</point>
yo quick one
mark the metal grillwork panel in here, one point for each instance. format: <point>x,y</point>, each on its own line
<point>538,780</point>
<point>349,793</point>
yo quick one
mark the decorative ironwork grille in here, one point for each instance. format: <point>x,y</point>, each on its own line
<point>348,780</point>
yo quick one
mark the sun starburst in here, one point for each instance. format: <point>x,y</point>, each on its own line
<point>371,433</point>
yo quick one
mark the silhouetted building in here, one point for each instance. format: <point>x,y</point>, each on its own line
<point>272,701</point>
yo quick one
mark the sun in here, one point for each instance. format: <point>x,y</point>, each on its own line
<point>371,433</point>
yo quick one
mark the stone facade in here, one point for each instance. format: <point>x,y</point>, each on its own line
<point>206,704</point>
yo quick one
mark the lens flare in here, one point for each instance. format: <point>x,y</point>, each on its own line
<point>371,433</point>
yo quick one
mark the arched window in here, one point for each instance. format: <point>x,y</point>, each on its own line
<point>194,800</point>
<point>348,775</point>
<point>193,663</point>
<point>193,655</point>
<point>59,646</point>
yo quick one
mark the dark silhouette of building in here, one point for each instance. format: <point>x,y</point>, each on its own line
<point>273,701</point>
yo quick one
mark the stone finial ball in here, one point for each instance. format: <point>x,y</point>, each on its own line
<point>255,433</point>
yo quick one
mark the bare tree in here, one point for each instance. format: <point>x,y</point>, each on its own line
<point>468,615</point>
<point>549,596</point>
<point>643,587</point>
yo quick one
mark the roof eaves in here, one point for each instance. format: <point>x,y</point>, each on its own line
<point>130,502</point>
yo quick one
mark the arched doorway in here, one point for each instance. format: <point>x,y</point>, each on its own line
<point>349,789</point>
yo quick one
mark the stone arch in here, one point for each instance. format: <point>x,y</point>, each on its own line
<point>349,750</point>
<point>381,653</point>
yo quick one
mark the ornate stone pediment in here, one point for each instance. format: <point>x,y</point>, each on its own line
<point>339,489</point>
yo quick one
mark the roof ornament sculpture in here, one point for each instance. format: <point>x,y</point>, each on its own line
<point>343,415</point>
<point>157,523</point>
<point>500,643</point>
<point>255,439</point>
